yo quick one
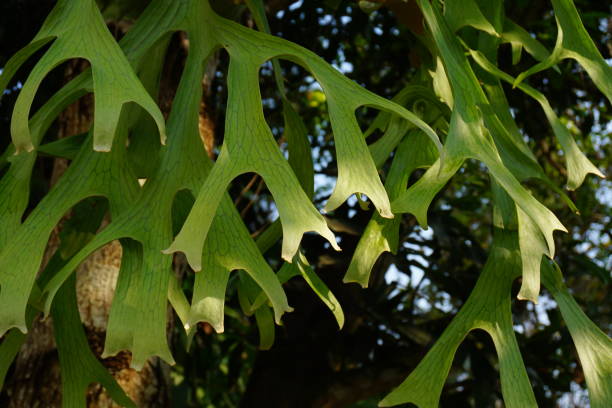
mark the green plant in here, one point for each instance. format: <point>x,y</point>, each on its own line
<point>462,101</point>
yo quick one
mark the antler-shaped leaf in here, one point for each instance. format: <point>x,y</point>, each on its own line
<point>77,30</point>
<point>475,132</point>
<point>574,42</point>
<point>80,367</point>
<point>593,346</point>
<point>18,268</point>
<point>184,164</point>
<point>356,173</point>
<point>520,39</point>
<point>578,166</point>
<point>488,309</point>
<point>381,235</point>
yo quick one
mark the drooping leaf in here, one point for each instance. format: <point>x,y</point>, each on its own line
<point>77,30</point>
<point>578,166</point>
<point>574,42</point>
<point>594,346</point>
<point>488,309</point>
<point>475,132</point>
<point>461,13</point>
<point>357,172</point>
<point>382,235</point>
<point>520,39</point>
<point>79,365</point>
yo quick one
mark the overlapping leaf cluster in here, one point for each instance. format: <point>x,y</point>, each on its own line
<point>459,96</point>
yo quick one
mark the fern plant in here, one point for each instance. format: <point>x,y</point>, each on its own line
<point>454,110</point>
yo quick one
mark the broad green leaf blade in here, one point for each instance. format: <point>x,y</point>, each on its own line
<point>132,317</point>
<point>533,247</point>
<point>298,215</point>
<point>574,42</point>
<point>300,157</point>
<point>471,132</point>
<point>520,39</point>
<point>208,300</point>
<point>461,13</point>
<point>594,346</point>
<point>18,268</point>
<point>80,32</point>
<point>79,365</point>
<point>265,324</point>
<point>138,318</point>
<point>233,249</point>
<point>381,235</point>
<point>578,165</point>
<point>488,309</point>
<point>418,197</point>
<point>357,172</point>
<point>16,184</point>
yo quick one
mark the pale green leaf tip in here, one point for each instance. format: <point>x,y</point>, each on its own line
<point>19,326</point>
<point>104,148</point>
<point>195,261</point>
<point>573,184</point>
<point>527,294</point>
<point>386,212</point>
<point>217,326</point>
<point>23,147</point>
<point>107,354</point>
<point>278,319</point>
<point>331,238</point>
<point>169,251</point>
